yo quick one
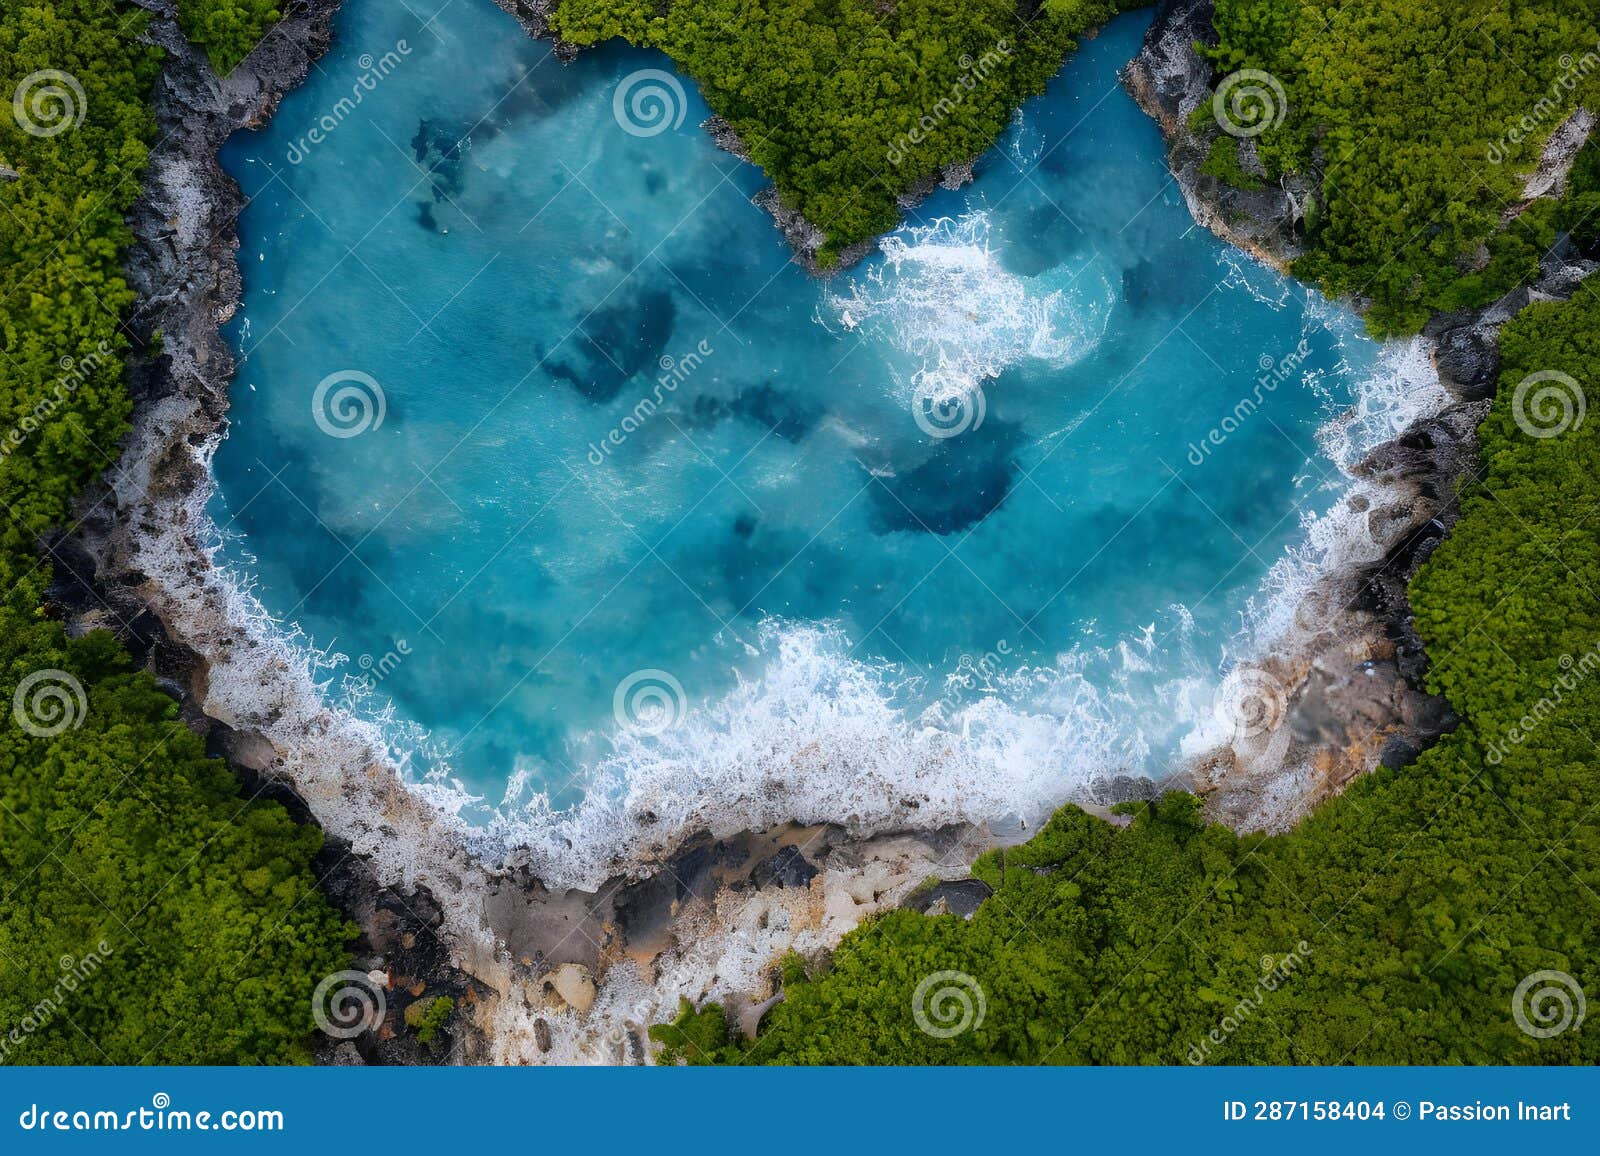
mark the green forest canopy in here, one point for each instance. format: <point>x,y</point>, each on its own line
<point>227,29</point>
<point>1420,122</point>
<point>848,104</point>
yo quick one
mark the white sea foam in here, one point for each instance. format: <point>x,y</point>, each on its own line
<point>1245,275</point>
<point>942,296</point>
<point>821,736</point>
<point>1285,616</point>
<point>1025,142</point>
<point>1402,388</point>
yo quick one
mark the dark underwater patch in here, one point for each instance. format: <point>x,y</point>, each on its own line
<point>962,482</point>
<point>787,415</point>
<point>615,343</point>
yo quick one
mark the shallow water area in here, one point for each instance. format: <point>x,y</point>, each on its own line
<point>587,492</point>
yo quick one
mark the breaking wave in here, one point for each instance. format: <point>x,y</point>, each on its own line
<point>942,296</point>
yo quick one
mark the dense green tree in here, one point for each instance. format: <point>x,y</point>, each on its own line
<point>227,29</point>
<point>1419,122</point>
<point>695,1038</point>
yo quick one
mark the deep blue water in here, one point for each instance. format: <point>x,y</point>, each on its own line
<point>774,531</point>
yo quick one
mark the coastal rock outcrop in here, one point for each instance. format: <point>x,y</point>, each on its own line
<point>573,983</point>
<point>1170,81</point>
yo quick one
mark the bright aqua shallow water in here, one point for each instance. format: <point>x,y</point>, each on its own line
<point>773,546</point>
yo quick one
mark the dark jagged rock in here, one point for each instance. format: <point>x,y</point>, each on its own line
<point>1129,789</point>
<point>534,16</point>
<point>1468,361</point>
<point>953,897</point>
<point>787,868</point>
<point>1429,459</point>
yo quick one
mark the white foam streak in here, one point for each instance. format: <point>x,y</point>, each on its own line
<point>820,737</point>
<point>1283,620</point>
<point>942,296</point>
<point>1402,388</point>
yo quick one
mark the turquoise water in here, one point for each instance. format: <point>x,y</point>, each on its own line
<point>575,478</point>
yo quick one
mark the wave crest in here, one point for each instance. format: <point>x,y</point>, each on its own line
<point>942,296</point>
